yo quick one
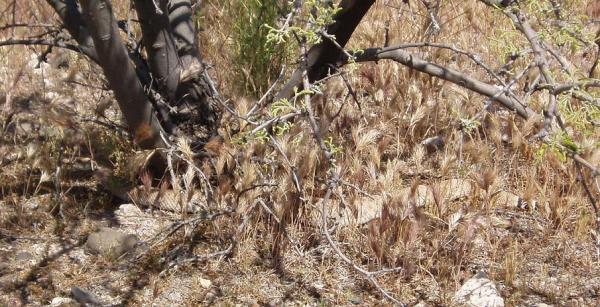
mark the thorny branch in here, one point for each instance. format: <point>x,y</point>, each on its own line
<point>459,78</point>
<point>594,204</point>
<point>448,74</point>
<point>370,276</point>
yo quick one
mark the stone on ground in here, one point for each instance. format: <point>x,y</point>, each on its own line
<point>111,243</point>
<point>478,291</point>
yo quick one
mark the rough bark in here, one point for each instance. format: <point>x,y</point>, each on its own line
<point>120,73</point>
<point>195,87</point>
<point>322,56</point>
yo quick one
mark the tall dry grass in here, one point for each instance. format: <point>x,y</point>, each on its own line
<point>379,137</point>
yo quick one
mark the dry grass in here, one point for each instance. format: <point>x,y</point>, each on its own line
<point>540,254</point>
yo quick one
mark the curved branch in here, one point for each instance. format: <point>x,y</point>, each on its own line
<point>450,75</point>
<point>561,88</point>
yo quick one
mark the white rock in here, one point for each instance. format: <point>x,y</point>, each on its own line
<point>479,291</point>
<point>205,283</point>
<point>61,301</point>
<point>379,96</point>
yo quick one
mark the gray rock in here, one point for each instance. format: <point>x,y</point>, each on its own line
<point>85,297</point>
<point>433,143</point>
<point>136,221</point>
<point>356,300</point>
<point>478,291</point>
<point>4,267</point>
<point>59,59</point>
<point>24,256</point>
<point>111,243</point>
<point>7,281</point>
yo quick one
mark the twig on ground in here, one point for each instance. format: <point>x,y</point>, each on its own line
<point>196,258</point>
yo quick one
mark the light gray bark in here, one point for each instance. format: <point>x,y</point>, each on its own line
<point>456,77</point>
<point>184,32</point>
<point>120,73</point>
<point>160,46</point>
<point>196,89</point>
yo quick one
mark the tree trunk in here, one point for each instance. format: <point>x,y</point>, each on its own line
<point>160,46</point>
<point>70,14</point>
<point>184,32</point>
<point>322,56</point>
<point>120,73</point>
<point>196,88</point>
<point>175,62</point>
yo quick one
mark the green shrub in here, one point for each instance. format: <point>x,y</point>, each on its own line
<point>257,63</point>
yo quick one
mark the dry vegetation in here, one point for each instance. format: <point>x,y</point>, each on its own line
<point>60,126</point>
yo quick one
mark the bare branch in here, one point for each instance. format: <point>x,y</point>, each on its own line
<point>561,88</point>
<point>456,77</point>
<point>370,276</point>
<point>26,25</point>
<point>333,180</point>
<point>42,42</point>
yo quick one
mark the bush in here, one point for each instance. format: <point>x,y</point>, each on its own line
<point>257,62</point>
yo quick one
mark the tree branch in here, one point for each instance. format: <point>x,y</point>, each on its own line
<point>70,14</point>
<point>456,77</point>
<point>42,42</point>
